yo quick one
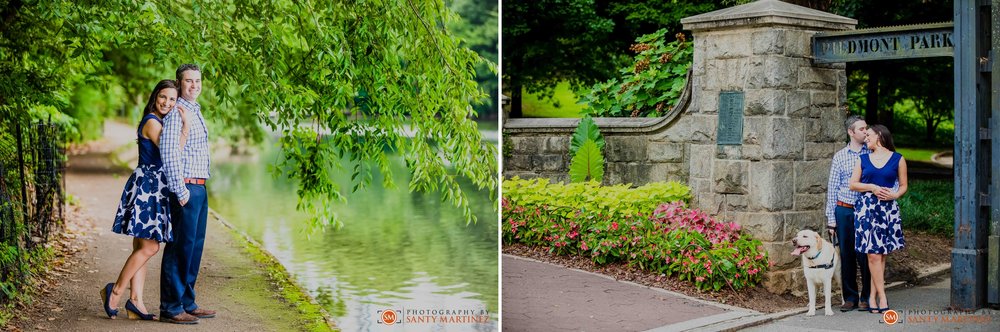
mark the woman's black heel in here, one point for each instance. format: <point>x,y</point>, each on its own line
<point>105,295</point>
<point>134,313</point>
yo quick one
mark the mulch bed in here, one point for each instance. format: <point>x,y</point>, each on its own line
<point>902,265</point>
<point>921,251</point>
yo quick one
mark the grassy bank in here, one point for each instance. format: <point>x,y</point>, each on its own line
<point>918,154</point>
<point>311,316</point>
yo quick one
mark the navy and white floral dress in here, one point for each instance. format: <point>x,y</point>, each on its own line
<point>877,224</point>
<point>144,211</point>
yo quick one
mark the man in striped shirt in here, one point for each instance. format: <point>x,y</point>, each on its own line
<point>187,171</point>
<point>840,215</point>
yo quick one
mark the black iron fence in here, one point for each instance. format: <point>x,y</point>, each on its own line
<point>32,191</point>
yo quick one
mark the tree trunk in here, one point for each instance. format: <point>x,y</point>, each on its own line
<point>871,97</point>
<point>930,131</point>
<point>887,118</point>
<point>888,100</point>
<point>515,100</point>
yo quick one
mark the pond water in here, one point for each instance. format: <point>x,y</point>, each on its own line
<point>408,252</point>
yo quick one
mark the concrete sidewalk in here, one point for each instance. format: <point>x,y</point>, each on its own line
<point>539,296</point>
<point>920,308</point>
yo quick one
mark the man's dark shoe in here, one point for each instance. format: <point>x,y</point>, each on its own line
<point>848,306</point>
<point>863,306</point>
<point>182,318</point>
<point>202,313</point>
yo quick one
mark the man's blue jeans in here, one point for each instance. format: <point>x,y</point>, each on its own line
<point>850,260</point>
<point>182,257</point>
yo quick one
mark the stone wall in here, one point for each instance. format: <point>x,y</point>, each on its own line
<point>634,152</point>
<point>774,183</point>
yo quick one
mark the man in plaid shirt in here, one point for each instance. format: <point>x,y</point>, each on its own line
<point>840,215</point>
<point>187,172</point>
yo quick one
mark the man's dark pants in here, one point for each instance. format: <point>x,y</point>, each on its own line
<point>850,260</point>
<point>182,257</point>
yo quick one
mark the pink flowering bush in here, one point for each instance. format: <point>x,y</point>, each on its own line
<point>670,239</point>
<point>700,249</point>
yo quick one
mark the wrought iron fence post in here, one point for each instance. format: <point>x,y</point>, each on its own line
<point>20,169</point>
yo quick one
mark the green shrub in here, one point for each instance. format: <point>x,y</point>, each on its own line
<point>929,206</point>
<point>615,201</point>
<point>617,224</point>
<point>650,86</point>
<point>20,268</point>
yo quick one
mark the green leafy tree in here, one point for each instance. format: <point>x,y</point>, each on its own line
<point>339,80</point>
<point>933,103</point>
<point>883,88</point>
<point>550,41</point>
<point>642,17</point>
<point>479,31</point>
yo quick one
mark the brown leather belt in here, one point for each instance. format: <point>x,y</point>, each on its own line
<point>194,181</point>
<point>849,206</point>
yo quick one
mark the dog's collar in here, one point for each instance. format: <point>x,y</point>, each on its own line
<point>824,266</point>
<point>817,254</point>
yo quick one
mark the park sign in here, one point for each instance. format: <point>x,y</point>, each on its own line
<point>902,42</point>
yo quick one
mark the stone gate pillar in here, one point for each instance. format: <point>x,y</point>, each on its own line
<point>773,180</point>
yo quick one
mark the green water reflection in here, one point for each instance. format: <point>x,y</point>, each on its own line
<point>397,250</point>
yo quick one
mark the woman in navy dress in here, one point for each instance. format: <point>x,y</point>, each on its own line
<point>144,211</point>
<point>876,213</point>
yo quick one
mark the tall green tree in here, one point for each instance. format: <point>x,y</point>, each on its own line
<point>479,31</point>
<point>933,102</point>
<point>884,88</point>
<point>549,41</point>
<point>635,18</point>
<point>339,80</point>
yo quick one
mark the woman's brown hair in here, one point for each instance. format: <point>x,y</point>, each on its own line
<point>164,84</point>
<point>884,137</point>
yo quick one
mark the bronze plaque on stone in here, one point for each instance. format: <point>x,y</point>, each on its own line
<point>730,130</point>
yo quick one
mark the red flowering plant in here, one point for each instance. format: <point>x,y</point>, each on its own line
<point>611,239</point>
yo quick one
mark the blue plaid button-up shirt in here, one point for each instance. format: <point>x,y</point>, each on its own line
<point>837,188</point>
<point>192,161</point>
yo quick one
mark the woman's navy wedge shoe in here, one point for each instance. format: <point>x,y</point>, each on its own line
<point>134,313</point>
<point>105,295</point>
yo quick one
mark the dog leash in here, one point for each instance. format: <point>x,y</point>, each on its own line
<point>833,239</point>
<point>825,266</point>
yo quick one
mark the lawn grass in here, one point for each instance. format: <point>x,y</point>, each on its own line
<point>561,105</point>
<point>919,154</point>
<point>929,206</point>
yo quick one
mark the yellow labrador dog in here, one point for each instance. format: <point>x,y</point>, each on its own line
<point>820,263</point>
